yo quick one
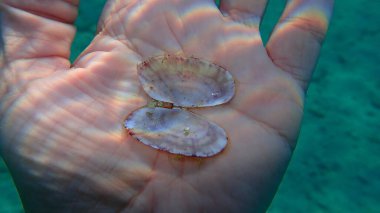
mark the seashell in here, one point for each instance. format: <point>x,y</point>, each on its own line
<point>177,131</point>
<point>175,82</point>
<point>186,82</point>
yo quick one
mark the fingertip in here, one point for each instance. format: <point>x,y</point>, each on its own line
<point>242,11</point>
<point>310,17</point>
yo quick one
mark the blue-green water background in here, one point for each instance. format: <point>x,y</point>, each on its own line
<point>336,165</point>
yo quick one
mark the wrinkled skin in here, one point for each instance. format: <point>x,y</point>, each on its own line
<point>62,136</point>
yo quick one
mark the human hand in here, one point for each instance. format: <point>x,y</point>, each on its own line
<point>62,133</point>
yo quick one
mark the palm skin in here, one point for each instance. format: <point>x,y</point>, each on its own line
<point>62,128</point>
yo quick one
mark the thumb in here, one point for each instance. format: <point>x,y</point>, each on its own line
<point>37,35</point>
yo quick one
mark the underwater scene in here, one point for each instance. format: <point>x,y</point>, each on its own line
<point>336,164</point>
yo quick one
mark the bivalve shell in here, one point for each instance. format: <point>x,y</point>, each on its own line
<point>186,82</point>
<point>177,131</point>
<point>175,83</point>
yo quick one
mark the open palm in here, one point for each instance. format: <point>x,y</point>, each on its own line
<point>62,125</point>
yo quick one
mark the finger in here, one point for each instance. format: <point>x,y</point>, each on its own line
<point>38,34</point>
<point>156,27</point>
<point>248,12</point>
<point>297,38</point>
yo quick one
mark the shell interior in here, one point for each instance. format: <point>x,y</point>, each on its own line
<point>176,131</point>
<point>186,82</point>
<point>182,82</point>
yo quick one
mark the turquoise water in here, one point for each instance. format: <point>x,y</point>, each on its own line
<point>336,165</point>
